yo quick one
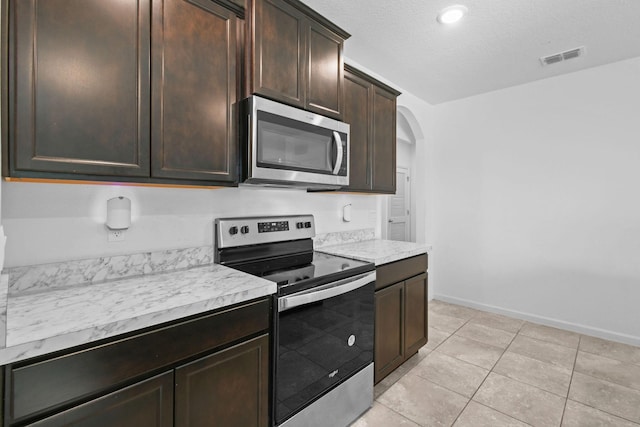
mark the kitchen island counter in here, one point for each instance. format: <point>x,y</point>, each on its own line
<point>377,251</point>
<point>43,322</point>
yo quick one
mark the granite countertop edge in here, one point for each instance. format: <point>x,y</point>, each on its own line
<point>50,321</point>
<point>377,251</point>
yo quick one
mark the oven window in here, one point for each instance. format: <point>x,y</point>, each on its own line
<point>320,345</point>
<point>288,144</point>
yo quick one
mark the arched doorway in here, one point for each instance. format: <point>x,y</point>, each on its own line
<point>402,210</point>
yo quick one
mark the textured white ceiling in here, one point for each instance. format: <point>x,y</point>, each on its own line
<point>497,45</point>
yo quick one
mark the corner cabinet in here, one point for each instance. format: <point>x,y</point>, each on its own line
<point>138,91</point>
<point>212,369</point>
<point>370,109</point>
<point>294,56</point>
<point>401,313</point>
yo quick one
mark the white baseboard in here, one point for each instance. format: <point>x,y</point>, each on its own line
<point>548,321</point>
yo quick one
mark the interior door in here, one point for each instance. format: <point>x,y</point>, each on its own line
<point>399,219</point>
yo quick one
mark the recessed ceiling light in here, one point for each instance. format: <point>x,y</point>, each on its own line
<point>451,14</point>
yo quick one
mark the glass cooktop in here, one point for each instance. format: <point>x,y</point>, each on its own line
<point>317,269</point>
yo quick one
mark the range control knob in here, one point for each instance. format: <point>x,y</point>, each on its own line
<point>299,225</point>
<point>233,230</point>
<point>244,229</point>
<point>307,224</point>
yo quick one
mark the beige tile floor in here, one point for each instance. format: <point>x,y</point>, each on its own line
<point>481,369</point>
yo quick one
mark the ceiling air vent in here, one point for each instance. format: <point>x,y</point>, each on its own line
<point>562,56</point>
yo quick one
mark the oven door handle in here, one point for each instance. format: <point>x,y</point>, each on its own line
<point>325,292</point>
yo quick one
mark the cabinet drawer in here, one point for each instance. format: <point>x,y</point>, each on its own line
<point>53,383</point>
<point>398,271</point>
<point>147,403</point>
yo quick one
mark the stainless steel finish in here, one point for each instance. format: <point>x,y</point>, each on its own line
<point>338,141</point>
<point>327,291</point>
<point>282,177</point>
<point>341,406</point>
<point>224,239</point>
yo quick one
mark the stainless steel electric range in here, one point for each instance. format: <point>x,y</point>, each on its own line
<point>322,345</point>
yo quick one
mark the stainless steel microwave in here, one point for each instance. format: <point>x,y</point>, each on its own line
<point>287,146</point>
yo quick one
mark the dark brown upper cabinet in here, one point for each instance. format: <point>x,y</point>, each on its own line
<point>294,55</point>
<point>79,87</point>
<point>370,109</point>
<point>193,91</point>
<point>140,91</point>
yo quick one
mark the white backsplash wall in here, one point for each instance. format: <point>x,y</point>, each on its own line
<point>58,222</point>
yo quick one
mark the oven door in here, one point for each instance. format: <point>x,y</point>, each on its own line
<point>323,337</point>
<point>296,147</point>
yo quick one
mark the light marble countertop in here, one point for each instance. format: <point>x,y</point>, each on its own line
<point>377,251</point>
<point>40,323</point>
<point>56,318</point>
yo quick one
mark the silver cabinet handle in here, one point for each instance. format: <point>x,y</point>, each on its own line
<point>338,140</point>
<point>325,292</point>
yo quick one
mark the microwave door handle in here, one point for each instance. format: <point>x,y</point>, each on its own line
<point>340,156</point>
<point>342,287</point>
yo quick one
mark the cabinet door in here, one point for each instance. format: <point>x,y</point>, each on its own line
<point>324,89</point>
<point>384,141</point>
<point>79,97</point>
<point>228,388</point>
<point>148,403</point>
<point>389,337</point>
<point>415,314</point>
<point>278,60</point>
<point>356,112</point>
<point>194,90</point>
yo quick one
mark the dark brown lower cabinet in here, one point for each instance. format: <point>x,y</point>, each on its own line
<point>415,313</point>
<point>148,403</point>
<point>401,313</point>
<point>389,343</point>
<point>209,370</point>
<point>228,388</point>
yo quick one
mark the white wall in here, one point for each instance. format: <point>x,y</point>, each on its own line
<point>537,201</point>
<point>58,222</point>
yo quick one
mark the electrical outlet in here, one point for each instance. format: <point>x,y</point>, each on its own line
<point>116,235</point>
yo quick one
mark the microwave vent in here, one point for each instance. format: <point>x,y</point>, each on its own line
<point>562,56</point>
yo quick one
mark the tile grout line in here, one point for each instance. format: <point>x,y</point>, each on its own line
<point>573,370</point>
<point>566,397</point>
<point>485,378</point>
<point>533,385</point>
<point>434,349</point>
<point>467,321</point>
<point>602,410</point>
<point>467,404</point>
<point>400,414</point>
<point>599,379</point>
